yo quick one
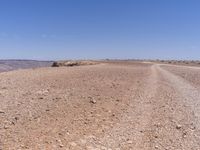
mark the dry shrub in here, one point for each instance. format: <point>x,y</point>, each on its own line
<point>72,63</point>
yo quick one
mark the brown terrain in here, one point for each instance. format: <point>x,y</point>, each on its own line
<point>106,106</point>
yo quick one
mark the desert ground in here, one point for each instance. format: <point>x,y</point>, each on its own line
<point>106,106</point>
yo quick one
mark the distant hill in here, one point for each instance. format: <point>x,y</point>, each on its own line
<point>8,65</point>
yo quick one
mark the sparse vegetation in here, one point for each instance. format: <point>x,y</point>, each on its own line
<point>72,63</point>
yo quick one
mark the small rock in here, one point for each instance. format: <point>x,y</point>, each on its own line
<point>16,118</point>
<point>129,142</point>
<point>157,125</point>
<point>156,147</point>
<point>184,134</point>
<point>93,101</point>
<point>178,126</point>
<point>6,127</point>
<point>192,127</point>
<point>60,134</point>
<point>24,146</point>
<point>156,136</point>
<point>2,112</point>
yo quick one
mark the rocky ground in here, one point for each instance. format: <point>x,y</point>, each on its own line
<point>108,106</point>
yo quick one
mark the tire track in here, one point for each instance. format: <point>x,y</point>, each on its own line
<point>183,112</point>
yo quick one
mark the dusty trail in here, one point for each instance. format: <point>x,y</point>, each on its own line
<point>129,132</point>
<point>164,114</point>
<point>186,111</point>
<point>123,106</point>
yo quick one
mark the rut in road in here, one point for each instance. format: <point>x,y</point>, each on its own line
<point>178,116</point>
<point>164,114</point>
<point>130,133</point>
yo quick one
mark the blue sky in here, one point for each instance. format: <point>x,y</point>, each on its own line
<point>95,29</point>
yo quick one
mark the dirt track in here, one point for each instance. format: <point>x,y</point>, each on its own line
<point>105,106</point>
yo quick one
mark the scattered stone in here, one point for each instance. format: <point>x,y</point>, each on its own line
<point>156,147</point>
<point>24,146</point>
<point>93,101</point>
<point>157,125</point>
<point>16,118</point>
<point>129,142</point>
<point>184,134</point>
<point>2,112</point>
<point>117,100</point>
<point>193,128</point>
<point>13,123</point>
<point>156,136</point>
<point>60,134</point>
<point>6,127</point>
<point>178,126</point>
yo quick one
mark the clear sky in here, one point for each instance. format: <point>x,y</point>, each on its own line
<point>95,29</point>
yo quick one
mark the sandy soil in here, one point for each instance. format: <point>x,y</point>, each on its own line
<point>109,106</point>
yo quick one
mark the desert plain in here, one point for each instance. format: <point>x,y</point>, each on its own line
<point>111,105</point>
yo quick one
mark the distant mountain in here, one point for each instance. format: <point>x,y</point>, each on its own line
<point>8,65</point>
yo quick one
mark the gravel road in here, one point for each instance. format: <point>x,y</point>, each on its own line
<point>109,106</point>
